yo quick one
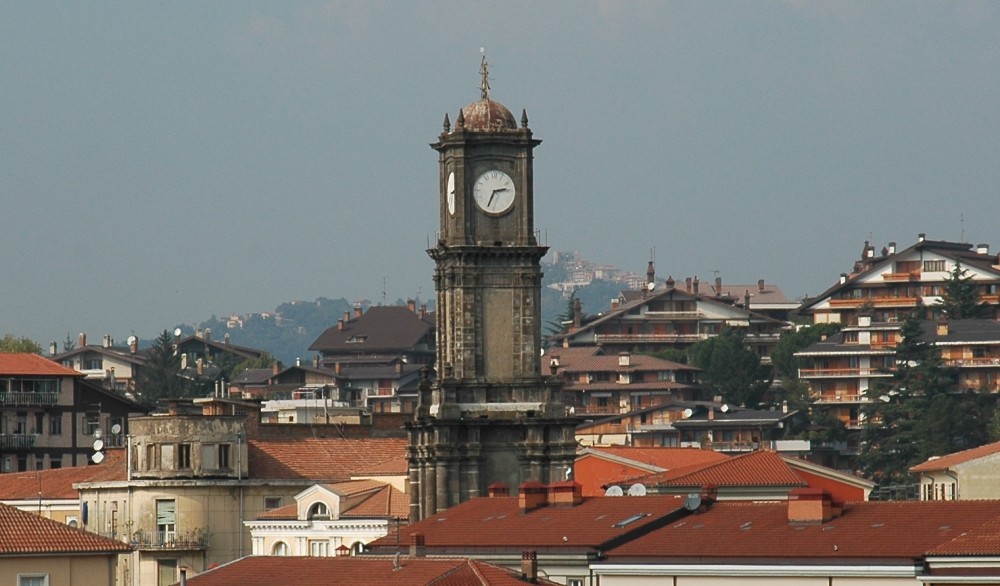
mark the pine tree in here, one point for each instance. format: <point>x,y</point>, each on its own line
<point>730,368</point>
<point>158,378</point>
<point>960,297</point>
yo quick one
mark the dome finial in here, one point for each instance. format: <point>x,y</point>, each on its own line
<point>484,76</point>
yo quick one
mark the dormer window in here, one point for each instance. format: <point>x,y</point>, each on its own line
<point>319,511</point>
<point>357,339</point>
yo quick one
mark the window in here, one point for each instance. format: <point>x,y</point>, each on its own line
<point>319,511</point>
<point>280,548</point>
<point>224,450</point>
<point>272,502</point>
<point>574,582</point>
<point>39,423</point>
<point>93,364</point>
<point>319,548</point>
<point>91,423</point>
<point>32,580</point>
<point>183,456</point>
<point>166,521</point>
<point>55,424</point>
<point>933,265</point>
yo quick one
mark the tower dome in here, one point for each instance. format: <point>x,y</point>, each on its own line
<point>487,115</point>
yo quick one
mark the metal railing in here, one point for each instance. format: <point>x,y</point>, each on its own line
<point>29,399</point>
<point>194,539</point>
<point>17,441</point>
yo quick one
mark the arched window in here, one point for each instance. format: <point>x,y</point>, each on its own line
<point>279,548</point>
<point>319,511</point>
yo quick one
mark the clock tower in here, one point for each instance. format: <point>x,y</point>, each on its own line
<point>491,416</point>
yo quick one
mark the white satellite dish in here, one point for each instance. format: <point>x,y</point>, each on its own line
<point>650,286</point>
<point>637,490</point>
<point>131,340</point>
<point>98,445</point>
<point>724,408</point>
<point>687,413</point>
<point>98,457</point>
<point>614,491</point>
<point>116,428</point>
<point>97,433</point>
<point>177,332</point>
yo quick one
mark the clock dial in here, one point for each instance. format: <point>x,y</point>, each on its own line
<point>494,192</point>
<point>451,193</point>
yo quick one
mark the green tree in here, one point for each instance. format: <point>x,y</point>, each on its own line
<point>919,412</point>
<point>11,344</point>
<point>786,365</point>
<point>960,297</point>
<point>730,368</point>
<point>264,361</point>
<point>158,379</point>
<point>560,323</point>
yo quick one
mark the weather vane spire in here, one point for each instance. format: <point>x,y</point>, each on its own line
<point>484,75</point>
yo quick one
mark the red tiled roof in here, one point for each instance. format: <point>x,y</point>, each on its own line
<point>760,468</point>
<point>945,462</point>
<point>319,571</point>
<point>26,533</point>
<point>32,364</point>
<point>322,459</point>
<point>283,513</point>
<point>57,483</point>
<point>666,458</point>
<point>875,530</point>
<point>499,524</point>
<point>386,502</point>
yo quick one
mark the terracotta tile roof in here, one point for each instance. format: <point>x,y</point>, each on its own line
<point>875,530</point>
<point>391,467</point>
<point>945,462</point>
<point>760,468</point>
<point>490,524</point>
<point>57,483</point>
<point>665,458</point>
<point>32,364</point>
<point>385,502</point>
<point>288,512</point>
<point>318,571</point>
<point>321,459</point>
<point>26,533</point>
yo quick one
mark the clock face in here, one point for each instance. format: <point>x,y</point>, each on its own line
<point>451,193</point>
<point>494,192</point>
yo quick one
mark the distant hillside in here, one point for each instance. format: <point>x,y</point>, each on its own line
<point>289,330</point>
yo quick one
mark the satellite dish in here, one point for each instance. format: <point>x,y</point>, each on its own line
<point>98,445</point>
<point>614,491</point>
<point>97,433</point>
<point>131,340</point>
<point>687,413</point>
<point>724,408</point>
<point>692,502</point>
<point>116,428</point>
<point>637,490</point>
<point>177,332</point>
<point>98,457</point>
<point>650,286</point>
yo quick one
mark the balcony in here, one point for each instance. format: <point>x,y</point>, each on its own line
<point>17,441</point>
<point>908,276</point>
<point>973,362</point>
<point>663,338</point>
<point>22,399</point>
<point>842,372</point>
<point>675,314</point>
<point>875,301</point>
<point>196,539</point>
<point>841,398</point>
<point>595,410</point>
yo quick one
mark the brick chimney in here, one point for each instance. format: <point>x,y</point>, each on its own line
<point>567,493</point>
<point>687,284</point>
<point>942,327</point>
<point>811,506</point>
<point>760,285</point>
<point>358,311</point>
<point>418,547</point>
<point>53,349</point>
<point>81,340</point>
<point>497,489</point>
<point>531,495</point>
<point>423,310</point>
<point>694,285</point>
<point>529,566</point>
<point>411,305</point>
<point>276,367</point>
<point>718,286</point>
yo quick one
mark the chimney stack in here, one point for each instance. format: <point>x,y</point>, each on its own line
<point>276,367</point>
<point>423,310</point>
<point>411,305</point>
<point>942,327</point>
<point>497,489</point>
<point>81,340</point>
<point>529,566</point>
<point>983,249</point>
<point>921,237</point>
<point>53,349</point>
<point>569,493</point>
<point>531,495</point>
<point>418,546</point>
<point>340,325</point>
<point>718,286</point>
<point>357,311</point>
<point>694,285</point>
<point>687,284</point>
<point>208,334</point>
<point>134,346</point>
<point>811,506</point>
<point>760,285</point>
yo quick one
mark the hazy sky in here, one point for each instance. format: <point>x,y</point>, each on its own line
<point>161,162</point>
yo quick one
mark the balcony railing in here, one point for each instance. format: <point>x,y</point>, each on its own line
<point>17,441</point>
<point>972,362</point>
<point>841,372</point>
<point>908,276</point>
<point>147,540</point>
<point>595,410</point>
<point>842,398</point>
<point>875,301</point>
<point>22,399</point>
<point>676,314</point>
<point>612,338</point>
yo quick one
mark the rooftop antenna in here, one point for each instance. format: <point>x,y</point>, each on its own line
<point>961,221</point>
<point>484,75</point>
<point>383,291</point>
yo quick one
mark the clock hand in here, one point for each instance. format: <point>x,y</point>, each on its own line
<point>492,195</point>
